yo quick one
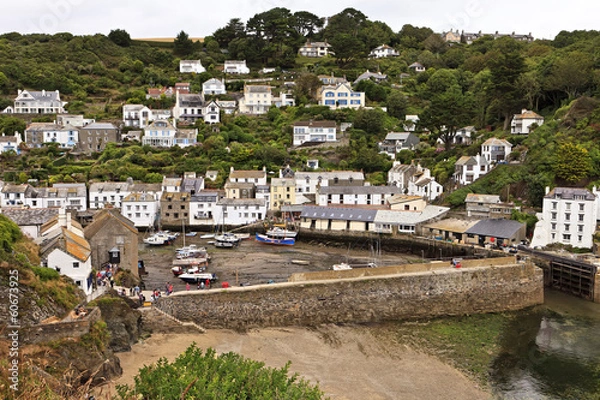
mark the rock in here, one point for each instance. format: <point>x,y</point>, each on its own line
<point>123,322</point>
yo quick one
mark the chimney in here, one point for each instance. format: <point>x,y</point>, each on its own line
<point>62,217</point>
<point>43,92</point>
<point>547,189</point>
<point>68,225</point>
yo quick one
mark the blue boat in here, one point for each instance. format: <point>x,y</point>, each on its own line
<point>277,241</point>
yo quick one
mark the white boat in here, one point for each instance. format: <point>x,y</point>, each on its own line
<point>242,236</point>
<point>158,239</point>
<point>341,266</point>
<point>227,240</point>
<point>207,236</point>
<point>198,277</point>
<point>278,232</point>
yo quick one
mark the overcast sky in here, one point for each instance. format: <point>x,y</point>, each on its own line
<point>161,18</point>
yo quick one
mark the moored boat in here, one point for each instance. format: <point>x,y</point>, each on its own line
<point>198,277</point>
<point>276,241</point>
<point>227,240</point>
<point>341,266</point>
<point>278,232</point>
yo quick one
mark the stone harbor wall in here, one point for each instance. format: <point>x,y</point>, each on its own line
<point>487,288</point>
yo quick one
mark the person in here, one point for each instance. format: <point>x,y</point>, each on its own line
<point>187,286</point>
<point>142,299</point>
<point>208,283</point>
<point>201,284</point>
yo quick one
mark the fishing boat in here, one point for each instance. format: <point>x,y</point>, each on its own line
<point>158,239</point>
<point>180,270</point>
<point>191,234</point>
<point>207,236</point>
<point>242,236</point>
<point>276,241</point>
<point>198,277</point>
<point>341,267</point>
<point>279,232</point>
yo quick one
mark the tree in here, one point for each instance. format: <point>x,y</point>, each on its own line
<point>306,23</point>
<point>183,45</point>
<point>573,162</point>
<point>234,29</point>
<point>120,37</point>
<point>571,74</point>
<point>397,104</point>
<point>350,21</point>
<point>347,48</point>
<point>370,121</point>
<point>306,88</point>
<point>413,36</point>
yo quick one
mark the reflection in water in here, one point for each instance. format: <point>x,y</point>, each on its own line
<point>547,355</point>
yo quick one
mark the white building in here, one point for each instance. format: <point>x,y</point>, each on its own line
<point>40,133</point>
<point>408,222</point>
<point>383,51</point>
<point>568,217</point>
<point>248,176</point>
<point>42,102</point>
<point>137,115</point>
<point>341,96</point>
<point>202,208</point>
<point>236,67</point>
<point>314,131</point>
<point>10,143</point>
<point>315,49</point>
<point>75,120</point>
<point>213,87</point>
<point>355,195</point>
<point>159,134</point>
<point>308,182</point>
<point>496,150</point>
<point>141,208</point>
<point>257,99</point>
<point>17,196</point>
<point>112,194</point>
<point>191,66</point>
<point>521,123</point>
<point>235,212</point>
<point>470,168</point>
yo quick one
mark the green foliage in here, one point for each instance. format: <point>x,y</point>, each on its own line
<point>573,162</point>
<point>46,274</point>
<point>9,234</point>
<point>120,37</point>
<point>206,375</point>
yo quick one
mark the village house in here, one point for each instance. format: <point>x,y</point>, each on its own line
<point>452,36</point>
<point>315,49</point>
<point>423,184</point>
<point>137,115</point>
<point>202,207</point>
<point>464,136</point>
<point>63,247</point>
<point>174,208</point>
<point>39,133</point>
<point>416,67</point>
<point>213,87</point>
<point>183,87</point>
<point>341,96</point>
<point>308,182</point>
<point>372,76</point>
<point>522,124</point>
<point>228,106</point>
<point>38,102</point>
<point>76,120</point>
<point>71,196</point>
<point>186,137</point>
<point>411,122</point>
<point>159,134</point>
<point>95,136</point>
<point>192,107</point>
<point>568,217</point>
<point>332,80</point>
<point>236,67</point>
<point>314,131</point>
<point>257,99</point>
<point>239,211</point>
<point>395,142</point>
<point>17,196</point>
<point>488,206</point>
<point>383,51</point>
<point>112,194</point>
<point>10,143</point>
<point>141,208</point>
<point>285,99</point>
<point>113,240</point>
<point>157,93</point>
<point>470,168</point>
<point>191,66</point>
<point>355,195</point>
<point>30,220</point>
<point>283,192</point>
<point>496,150</point>
<point>248,176</point>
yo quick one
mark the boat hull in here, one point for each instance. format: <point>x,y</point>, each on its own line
<point>275,241</point>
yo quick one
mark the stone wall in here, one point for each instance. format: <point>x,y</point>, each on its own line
<point>60,330</point>
<point>448,291</point>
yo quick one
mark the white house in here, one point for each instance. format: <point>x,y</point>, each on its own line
<point>75,120</point>
<point>141,208</point>
<point>112,194</point>
<point>10,143</point>
<point>395,142</point>
<point>17,196</point>
<point>236,67</point>
<point>464,135</point>
<point>257,99</point>
<point>355,195</point>
<point>40,133</point>
<point>417,67</point>
<point>235,212</point>
<point>191,66</point>
<point>137,115</point>
<point>63,247</point>
<point>410,122</point>
<point>159,134</point>
<point>372,76</point>
<point>521,123</point>
<point>568,217</point>
<point>214,86</point>
<point>71,196</point>
<point>308,182</point>
<point>341,96</point>
<point>495,150</point>
<point>470,168</point>
<point>314,131</point>
<point>202,208</point>
<point>228,106</point>
<point>414,180</point>
<point>315,49</point>
<point>248,176</point>
<point>383,51</point>
<point>39,102</point>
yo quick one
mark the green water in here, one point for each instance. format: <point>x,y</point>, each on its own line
<point>551,353</point>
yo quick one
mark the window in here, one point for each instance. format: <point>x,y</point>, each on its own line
<point>554,226</point>
<point>553,216</point>
<point>581,217</point>
<point>568,206</point>
<point>567,226</point>
<point>567,217</point>
<point>579,228</point>
<point>567,237</point>
<point>581,206</point>
<point>76,264</point>
<point>554,205</point>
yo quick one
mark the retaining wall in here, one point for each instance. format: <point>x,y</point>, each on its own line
<point>425,293</point>
<point>60,330</point>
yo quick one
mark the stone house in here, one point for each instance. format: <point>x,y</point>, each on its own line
<point>95,136</point>
<point>113,237</point>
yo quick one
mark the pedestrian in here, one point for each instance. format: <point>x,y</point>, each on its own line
<point>201,284</point>
<point>130,291</point>
<point>171,288</point>
<point>198,285</point>
<point>208,283</point>
<point>167,287</point>
<point>187,286</point>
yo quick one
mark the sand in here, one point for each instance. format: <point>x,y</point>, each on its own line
<point>346,361</point>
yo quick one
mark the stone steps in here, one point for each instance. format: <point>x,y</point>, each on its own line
<point>163,322</point>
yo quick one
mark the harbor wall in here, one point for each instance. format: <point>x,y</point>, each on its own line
<point>417,294</point>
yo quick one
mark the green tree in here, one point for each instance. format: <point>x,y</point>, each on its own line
<point>573,162</point>
<point>347,48</point>
<point>183,45</point>
<point>397,103</point>
<point>571,74</point>
<point>306,88</point>
<point>369,120</point>
<point>306,23</point>
<point>234,29</point>
<point>120,37</point>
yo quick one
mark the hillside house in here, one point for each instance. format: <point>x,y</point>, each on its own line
<point>38,102</point>
<point>383,51</point>
<point>257,99</point>
<point>488,206</point>
<point>470,168</point>
<point>372,76</point>
<point>10,143</point>
<point>314,131</point>
<point>95,136</point>
<point>521,124</point>
<point>191,66</point>
<point>236,67</point>
<point>213,87</point>
<point>416,67</point>
<point>315,49</point>
<point>395,142</point>
<point>496,150</point>
<point>159,134</point>
<point>341,96</point>
<point>39,133</point>
<point>137,115</point>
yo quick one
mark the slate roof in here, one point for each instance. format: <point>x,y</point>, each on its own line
<point>410,217</point>
<point>482,198</point>
<point>239,174</point>
<point>497,142</point>
<point>240,202</point>
<point>99,126</point>
<point>498,228</point>
<point>359,190</point>
<point>104,217</point>
<point>570,194</point>
<point>339,213</point>
<point>138,197</point>
<point>33,216</point>
<point>331,175</point>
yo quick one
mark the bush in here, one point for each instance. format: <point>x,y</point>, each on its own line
<point>46,274</point>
